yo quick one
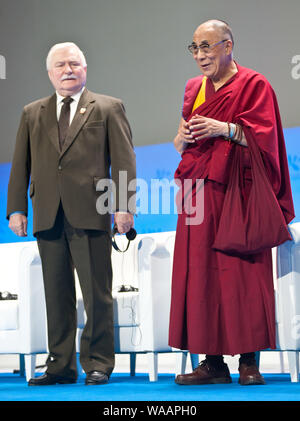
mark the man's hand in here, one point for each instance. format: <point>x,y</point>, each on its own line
<point>124,221</point>
<point>183,136</point>
<point>203,127</point>
<point>18,224</point>
<point>184,133</point>
<point>198,128</point>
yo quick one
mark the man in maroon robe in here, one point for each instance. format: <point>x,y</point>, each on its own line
<point>222,303</point>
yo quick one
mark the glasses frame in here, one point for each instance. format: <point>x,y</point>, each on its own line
<point>200,47</point>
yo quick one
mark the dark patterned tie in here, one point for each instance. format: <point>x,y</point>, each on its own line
<point>64,120</point>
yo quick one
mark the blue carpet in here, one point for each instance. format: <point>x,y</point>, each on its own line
<point>122,387</point>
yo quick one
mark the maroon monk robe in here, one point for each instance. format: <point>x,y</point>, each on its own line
<point>224,304</point>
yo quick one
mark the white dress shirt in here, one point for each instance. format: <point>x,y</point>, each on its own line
<point>73,104</point>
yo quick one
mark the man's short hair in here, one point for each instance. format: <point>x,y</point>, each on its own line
<point>64,45</point>
<point>226,30</point>
<point>222,26</point>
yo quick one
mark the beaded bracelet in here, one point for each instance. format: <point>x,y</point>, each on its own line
<point>235,132</point>
<point>231,131</point>
<point>238,135</point>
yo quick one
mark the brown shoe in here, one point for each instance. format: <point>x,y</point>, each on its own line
<point>205,374</point>
<point>250,375</point>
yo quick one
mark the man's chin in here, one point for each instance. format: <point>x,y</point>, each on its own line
<point>206,71</point>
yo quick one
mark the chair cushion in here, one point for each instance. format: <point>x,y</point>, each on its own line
<point>9,310</point>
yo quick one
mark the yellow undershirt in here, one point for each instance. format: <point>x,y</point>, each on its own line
<point>201,95</point>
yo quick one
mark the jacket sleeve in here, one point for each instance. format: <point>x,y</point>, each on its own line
<point>122,156</point>
<point>17,199</point>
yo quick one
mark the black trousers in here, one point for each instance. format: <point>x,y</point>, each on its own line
<point>63,248</point>
<point>218,360</point>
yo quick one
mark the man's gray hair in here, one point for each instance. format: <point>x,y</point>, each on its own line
<point>222,26</point>
<point>64,45</point>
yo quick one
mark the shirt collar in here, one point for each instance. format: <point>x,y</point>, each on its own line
<point>75,97</point>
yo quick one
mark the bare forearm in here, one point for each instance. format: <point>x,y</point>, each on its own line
<point>204,127</point>
<point>200,127</point>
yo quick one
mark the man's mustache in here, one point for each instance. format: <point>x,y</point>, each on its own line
<point>68,77</point>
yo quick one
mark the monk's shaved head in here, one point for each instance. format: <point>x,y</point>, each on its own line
<point>216,25</point>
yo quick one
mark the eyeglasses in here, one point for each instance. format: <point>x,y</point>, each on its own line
<point>204,47</point>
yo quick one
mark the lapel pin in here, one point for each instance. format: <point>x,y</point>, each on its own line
<point>82,110</point>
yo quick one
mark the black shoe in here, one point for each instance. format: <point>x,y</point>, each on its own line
<point>96,377</point>
<point>48,379</point>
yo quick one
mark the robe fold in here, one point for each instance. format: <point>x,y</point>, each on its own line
<point>224,304</point>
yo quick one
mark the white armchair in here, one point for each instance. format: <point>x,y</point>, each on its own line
<point>287,295</point>
<point>141,317</point>
<point>22,321</point>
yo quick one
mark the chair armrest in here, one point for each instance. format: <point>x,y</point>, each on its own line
<point>287,292</point>
<point>32,308</point>
<point>155,291</point>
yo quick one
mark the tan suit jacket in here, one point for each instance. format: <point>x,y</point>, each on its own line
<point>99,139</point>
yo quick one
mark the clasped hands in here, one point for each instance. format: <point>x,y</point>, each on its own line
<point>199,127</point>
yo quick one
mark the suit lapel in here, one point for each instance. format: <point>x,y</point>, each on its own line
<point>49,120</point>
<point>84,108</point>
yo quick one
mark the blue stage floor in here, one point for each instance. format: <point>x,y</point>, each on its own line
<point>122,387</point>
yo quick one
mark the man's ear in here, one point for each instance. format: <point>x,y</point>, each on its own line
<point>229,47</point>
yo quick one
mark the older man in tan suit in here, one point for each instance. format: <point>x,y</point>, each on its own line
<point>66,144</point>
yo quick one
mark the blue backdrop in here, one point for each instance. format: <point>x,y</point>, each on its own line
<point>156,162</point>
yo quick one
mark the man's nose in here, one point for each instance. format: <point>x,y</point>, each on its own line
<point>68,68</point>
<point>200,55</point>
